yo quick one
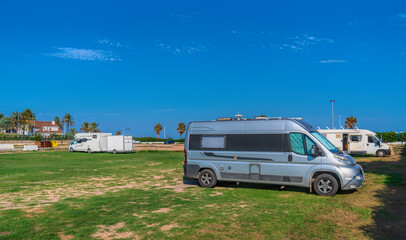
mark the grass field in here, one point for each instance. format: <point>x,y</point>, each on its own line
<point>63,195</point>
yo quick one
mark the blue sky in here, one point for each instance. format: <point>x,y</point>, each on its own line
<point>133,64</point>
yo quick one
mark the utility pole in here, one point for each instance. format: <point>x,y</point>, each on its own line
<point>164,132</point>
<point>339,121</point>
<point>332,113</point>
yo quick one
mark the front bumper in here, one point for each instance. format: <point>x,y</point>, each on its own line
<point>388,152</point>
<point>356,181</point>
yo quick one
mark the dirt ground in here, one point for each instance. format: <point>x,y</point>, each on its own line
<point>390,219</point>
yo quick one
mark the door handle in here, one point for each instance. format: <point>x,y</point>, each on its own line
<point>290,158</point>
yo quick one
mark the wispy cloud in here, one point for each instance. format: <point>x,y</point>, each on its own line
<point>85,54</point>
<point>402,16</point>
<point>166,110</point>
<point>186,49</point>
<point>108,42</point>
<point>332,61</point>
<point>298,43</point>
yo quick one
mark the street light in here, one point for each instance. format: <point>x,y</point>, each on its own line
<point>332,113</point>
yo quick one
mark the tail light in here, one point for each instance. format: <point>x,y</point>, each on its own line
<point>185,162</point>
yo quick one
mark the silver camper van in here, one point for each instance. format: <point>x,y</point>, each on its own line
<point>280,151</point>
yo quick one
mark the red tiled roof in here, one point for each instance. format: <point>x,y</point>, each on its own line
<point>40,125</point>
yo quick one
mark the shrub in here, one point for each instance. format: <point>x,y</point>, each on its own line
<point>388,136</point>
<point>402,137</point>
<point>37,137</point>
<point>154,139</point>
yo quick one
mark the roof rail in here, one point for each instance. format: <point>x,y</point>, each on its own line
<point>224,119</point>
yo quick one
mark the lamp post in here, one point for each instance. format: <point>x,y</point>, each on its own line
<point>332,113</point>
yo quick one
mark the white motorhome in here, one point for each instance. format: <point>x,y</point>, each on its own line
<point>89,142</point>
<point>356,141</point>
<point>119,144</point>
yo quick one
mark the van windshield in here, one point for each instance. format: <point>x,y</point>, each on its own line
<point>325,142</point>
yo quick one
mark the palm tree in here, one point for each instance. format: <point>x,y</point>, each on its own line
<point>1,115</point>
<point>181,128</point>
<point>350,122</point>
<point>68,120</point>
<point>93,127</point>
<point>73,131</point>
<point>85,127</point>
<point>118,133</point>
<point>58,123</point>
<point>158,129</point>
<point>27,119</point>
<point>16,117</point>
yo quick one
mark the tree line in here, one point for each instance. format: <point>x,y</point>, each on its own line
<point>24,121</point>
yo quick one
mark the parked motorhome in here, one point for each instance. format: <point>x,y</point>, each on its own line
<point>119,144</point>
<point>357,141</point>
<point>89,142</point>
<point>278,151</point>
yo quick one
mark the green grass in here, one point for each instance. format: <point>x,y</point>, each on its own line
<point>45,195</point>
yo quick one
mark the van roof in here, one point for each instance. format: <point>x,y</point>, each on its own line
<point>271,124</point>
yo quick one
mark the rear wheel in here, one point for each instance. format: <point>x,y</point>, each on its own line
<point>207,178</point>
<point>380,153</point>
<point>325,185</point>
<point>71,149</point>
<point>89,151</point>
<point>114,151</point>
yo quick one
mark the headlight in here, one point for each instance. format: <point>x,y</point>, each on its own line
<point>342,159</point>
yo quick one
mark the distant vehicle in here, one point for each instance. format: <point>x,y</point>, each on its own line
<point>101,142</point>
<point>170,141</point>
<point>282,151</point>
<point>89,142</point>
<point>136,142</point>
<point>357,141</point>
<point>119,144</point>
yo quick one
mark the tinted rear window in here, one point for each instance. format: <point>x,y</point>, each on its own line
<point>243,142</point>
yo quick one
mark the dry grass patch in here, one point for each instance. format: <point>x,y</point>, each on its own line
<point>110,232</point>
<point>168,227</point>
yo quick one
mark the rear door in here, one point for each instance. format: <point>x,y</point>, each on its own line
<point>356,144</point>
<point>300,159</point>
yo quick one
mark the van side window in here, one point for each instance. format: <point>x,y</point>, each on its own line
<point>94,136</point>
<point>309,145</point>
<point>212,142</point>
<point>370,139</point>
<point>296,143</point>
<point>355,138</point>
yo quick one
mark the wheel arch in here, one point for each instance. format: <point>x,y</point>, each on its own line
<point>319,172</point>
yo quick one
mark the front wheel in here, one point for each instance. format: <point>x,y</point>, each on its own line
<point>114,151</point>
<point>71,149</point>
<point>325,185</point>
<point>207,178</point>
<point>380,153</point>
<point>89,151</point>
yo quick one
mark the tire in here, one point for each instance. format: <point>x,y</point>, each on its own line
<point>380,153</point>
<point>71,150</point>
<point>89,151</point>
<point>325,185</point>
<point>114,151</point>
<point>207,178</point>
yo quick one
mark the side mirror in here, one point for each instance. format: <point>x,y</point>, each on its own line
<point>314,152</point>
